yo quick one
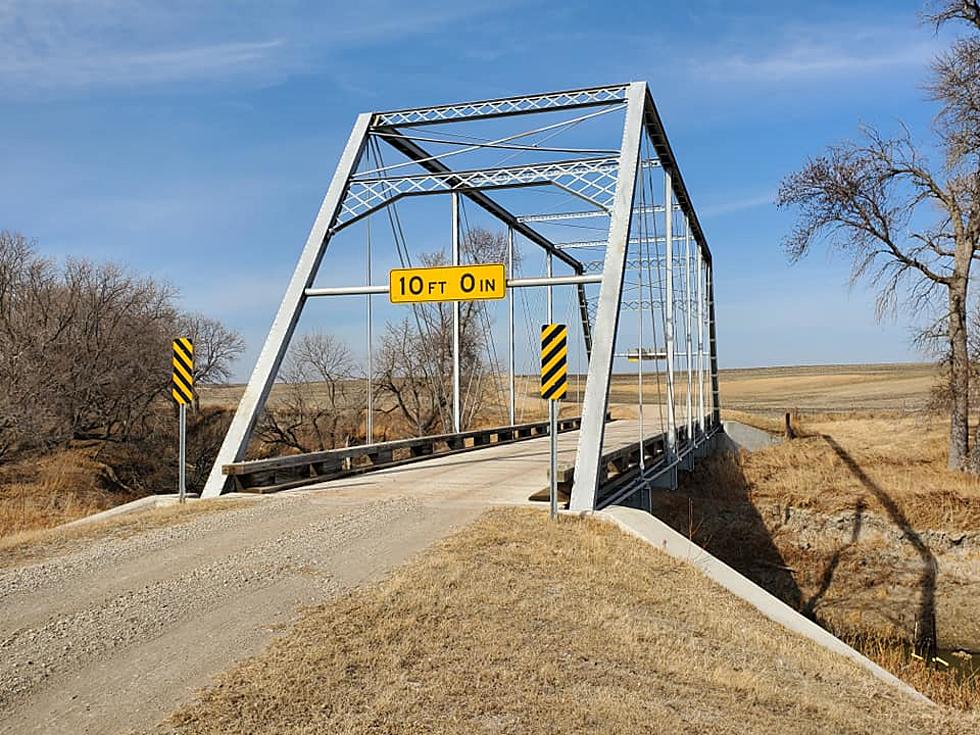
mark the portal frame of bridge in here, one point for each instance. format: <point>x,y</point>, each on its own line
<point>608,184</point>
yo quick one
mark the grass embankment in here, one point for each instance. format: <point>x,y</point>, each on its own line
<point>41,492</point>
<point>858,523</point>
<point>519,625</point>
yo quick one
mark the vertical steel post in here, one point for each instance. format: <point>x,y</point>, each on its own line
<point>713,348</point>
<point>639,351</point>
<point>456,377</point>
<point>688,308</point>
<point>669,313</point>
<point>583,309</point>
<point>596,401</point>
<point>700,262</point>
<point>277,342</point>
<point>510,329</point>
<point>549,267</point>
<point>370,344</point>
<point>553,457</point>
<point>182,455</point>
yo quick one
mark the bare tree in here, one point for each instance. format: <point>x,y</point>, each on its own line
<point>85,349</point>
<point>320,400</point>
<point>216,348</point>
<point>415,360</point>
<point>910,227</point>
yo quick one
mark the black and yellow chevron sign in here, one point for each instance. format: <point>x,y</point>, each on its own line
<point>554,361</point>
<point>182,382</point>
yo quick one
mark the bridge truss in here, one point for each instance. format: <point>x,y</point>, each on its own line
<point>650,269</point>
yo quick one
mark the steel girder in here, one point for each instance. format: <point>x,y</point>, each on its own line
<point>593,180</point>
<point>483,109</point>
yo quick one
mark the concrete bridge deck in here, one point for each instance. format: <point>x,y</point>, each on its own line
<point>506,474</point>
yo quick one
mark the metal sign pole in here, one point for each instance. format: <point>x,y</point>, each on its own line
<point>552,410</point>
<point>182,391</point>
<point>553,433</point>
<point>182,472</point>
<point>554,385</point>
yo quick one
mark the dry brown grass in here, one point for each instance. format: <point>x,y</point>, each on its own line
<point>950,687</point>
<point>51,490</point>
<point>843,523</point>
<point>519,625</point>
<point>903,455</point>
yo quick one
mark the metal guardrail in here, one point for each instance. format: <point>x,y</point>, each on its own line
<point>284,473</point>
<point>620,468</point>
<point>624,476</point>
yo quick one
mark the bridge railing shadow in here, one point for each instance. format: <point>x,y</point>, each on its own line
<point>712,507</point>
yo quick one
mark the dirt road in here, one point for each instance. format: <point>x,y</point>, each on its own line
<point>112,633</point>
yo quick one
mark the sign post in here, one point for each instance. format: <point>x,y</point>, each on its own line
<point>554,385</point>
<point>182,390</point>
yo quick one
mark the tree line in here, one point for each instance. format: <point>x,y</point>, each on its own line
<point>86,351</point>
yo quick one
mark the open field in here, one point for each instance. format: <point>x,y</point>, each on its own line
<point>890,387</point>
<point>816,388</point>
<point>518,625</point>
<point>896,386</point>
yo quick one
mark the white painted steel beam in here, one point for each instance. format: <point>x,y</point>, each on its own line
<point>669,313</point>
<point>586,214</point>
<point>511,283</point>
<point>520,105</point>
<point>277,342</point>
<point>589,452</point>
<point>457,408</point>
<point>511,346</point>
<point>700,297</point>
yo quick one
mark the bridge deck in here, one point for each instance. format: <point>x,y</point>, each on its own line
<point>506,474</point>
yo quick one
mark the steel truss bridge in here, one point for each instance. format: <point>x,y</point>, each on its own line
<point>642,280</point>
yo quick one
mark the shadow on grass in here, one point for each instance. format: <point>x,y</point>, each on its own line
<point>712,507</point>
<point>924,640</point>
<point>810,606</point>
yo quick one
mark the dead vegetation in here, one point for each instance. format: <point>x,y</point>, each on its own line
<point>959,688</point>
<point>42,490</point>
<point>57,488</point>
<point>903,453</point>
<point>518,625</point>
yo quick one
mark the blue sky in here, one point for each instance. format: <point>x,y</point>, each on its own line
<point>194,140</point>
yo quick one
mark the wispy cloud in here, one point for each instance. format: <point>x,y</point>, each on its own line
<point>820,52</point>
<point>78,69</point>
<point>75,45</point>
<point>737,205</point>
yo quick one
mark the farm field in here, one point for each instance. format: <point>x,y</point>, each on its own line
<point>892,386</point>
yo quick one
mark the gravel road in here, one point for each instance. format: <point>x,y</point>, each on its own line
<point>114,633</point>
<point>110,634</point>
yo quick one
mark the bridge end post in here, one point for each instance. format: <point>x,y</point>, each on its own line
<point>277,342</point>
<point>588,454</point>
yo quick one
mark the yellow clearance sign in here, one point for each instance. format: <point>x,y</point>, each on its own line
<point>447,283</point>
